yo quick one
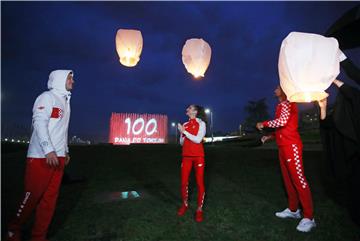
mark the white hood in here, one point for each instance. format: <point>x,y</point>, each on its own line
<point>57,81</point>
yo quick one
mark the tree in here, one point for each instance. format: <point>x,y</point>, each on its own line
<point>257,111</point>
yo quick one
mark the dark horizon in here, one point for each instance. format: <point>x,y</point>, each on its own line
<point>245,37</point>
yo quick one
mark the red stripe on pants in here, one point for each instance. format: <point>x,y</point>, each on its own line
<point>295,182</point>
<point>186,165</point>
<point>42,184</point>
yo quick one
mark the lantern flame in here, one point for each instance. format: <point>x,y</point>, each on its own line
<point>307,97</point>
<point>197,74</point>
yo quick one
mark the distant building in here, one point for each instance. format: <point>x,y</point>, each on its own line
<point>79,141</point>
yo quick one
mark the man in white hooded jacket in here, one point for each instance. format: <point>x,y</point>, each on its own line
<point>46,158</point>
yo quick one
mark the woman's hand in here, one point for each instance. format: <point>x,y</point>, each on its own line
<point>322,105</point>
<point>338,83</point>
<point>181,128</point>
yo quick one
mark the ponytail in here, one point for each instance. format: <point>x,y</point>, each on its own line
<point>201,113</point>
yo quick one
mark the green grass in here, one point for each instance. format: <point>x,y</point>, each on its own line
<point>310,136</point>
<point>244,189</point>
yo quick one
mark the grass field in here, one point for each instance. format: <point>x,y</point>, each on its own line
<point>244,189</point>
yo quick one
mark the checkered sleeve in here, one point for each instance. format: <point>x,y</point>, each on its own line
<point>283,118</point>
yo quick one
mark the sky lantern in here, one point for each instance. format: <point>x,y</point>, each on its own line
<point>196,55</point>
<point>308,64</point>
<point>129,45</point>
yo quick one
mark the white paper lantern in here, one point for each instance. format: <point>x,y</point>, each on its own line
<point>129,45</point>
<point>196,55</point>
<point>308,64</point>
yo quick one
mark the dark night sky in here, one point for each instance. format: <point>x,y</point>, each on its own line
<point>245,37</point>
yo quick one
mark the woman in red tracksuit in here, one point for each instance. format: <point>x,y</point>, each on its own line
<point>290,155</point>
<point>191,138</point>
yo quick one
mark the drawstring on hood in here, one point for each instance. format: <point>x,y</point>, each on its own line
<point>57,82</point>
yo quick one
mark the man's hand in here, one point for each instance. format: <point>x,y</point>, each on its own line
<point>67,159</point>
<point>259,126</point>
<point>181,128</point>
<point>51,159</point>
<point>265,139</point>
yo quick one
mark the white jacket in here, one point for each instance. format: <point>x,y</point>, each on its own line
<point>50,120</point>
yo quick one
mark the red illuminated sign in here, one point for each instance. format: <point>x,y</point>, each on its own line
<point>128,128</point>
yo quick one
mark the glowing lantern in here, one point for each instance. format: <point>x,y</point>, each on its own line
<point>196,55</point>
<point>308,64</point>
<point>129,45</point>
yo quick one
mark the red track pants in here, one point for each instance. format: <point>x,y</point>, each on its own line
<point>186,165</point>
<point>297,187</point>
<point>42,184</point>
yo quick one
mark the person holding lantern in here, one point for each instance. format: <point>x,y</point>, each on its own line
<point>290,155</point>
<point>191,138</point>
<point>340,132</point>
<point>46,158</point>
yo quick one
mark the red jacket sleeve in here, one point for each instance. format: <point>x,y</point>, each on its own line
<point>283,118</point>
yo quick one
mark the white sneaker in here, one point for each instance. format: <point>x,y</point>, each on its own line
<point>306,225</point>
<point>288,214</point>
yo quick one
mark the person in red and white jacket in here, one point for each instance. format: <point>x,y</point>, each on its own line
<point>46,158</point>
<point>290,155</point>
<point>192,134</point>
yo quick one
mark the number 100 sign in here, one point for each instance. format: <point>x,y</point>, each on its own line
<point>128,128</point>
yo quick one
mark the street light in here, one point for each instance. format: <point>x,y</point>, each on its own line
<point>208,111</point>
<point>173,124</point>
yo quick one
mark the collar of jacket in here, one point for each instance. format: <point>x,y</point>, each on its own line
<point>64,94</point>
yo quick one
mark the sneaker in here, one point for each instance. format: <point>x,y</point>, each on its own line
<point>182,210</point>
<point>287,213</point>
<point>306,225</point>
<point>199,216</point>
<point>13,236</point>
